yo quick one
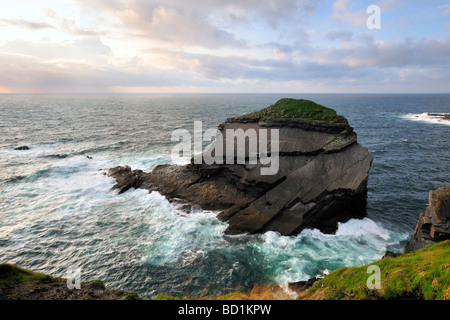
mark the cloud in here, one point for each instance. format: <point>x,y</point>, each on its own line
<point>367,62</point>
<point>26,24</point>
<point>339,35</point>
<point>71,26</point>
<point>208,24</point>
<point>342,11</point>
<point>29,74</point>
<point>79,49</point>
<point>104,45</point>
<point>171,22</point>
<point>445,9</point>
<point>395,54</point>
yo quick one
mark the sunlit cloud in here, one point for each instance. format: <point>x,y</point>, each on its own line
<point>221,46</point>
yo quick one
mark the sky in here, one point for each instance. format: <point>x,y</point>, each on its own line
<point>215,46</point>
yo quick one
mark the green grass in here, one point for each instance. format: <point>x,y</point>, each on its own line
<point>10,274</point>
<point>422,274</point>
<point>132,296</point>
<point>297,110</point>
<point>98,284</point>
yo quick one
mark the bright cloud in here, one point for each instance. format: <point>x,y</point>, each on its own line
<point>222,46</point>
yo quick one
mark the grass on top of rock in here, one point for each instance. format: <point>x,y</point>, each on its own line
<point>421,274</point>
<point>10,274</point>
<point>298,110</point>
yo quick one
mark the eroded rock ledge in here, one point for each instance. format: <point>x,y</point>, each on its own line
<point>322,176</point>
<point>434,223</point>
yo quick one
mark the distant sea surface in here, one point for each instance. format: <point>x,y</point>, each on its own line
<point>57,210</point>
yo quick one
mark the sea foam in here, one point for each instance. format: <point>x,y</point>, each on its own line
<point>436,118</point>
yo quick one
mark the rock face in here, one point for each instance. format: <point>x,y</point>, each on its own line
<point>434,223</point>
<point>321,178</point>
<point>21,284</point>
<point>302,286</point>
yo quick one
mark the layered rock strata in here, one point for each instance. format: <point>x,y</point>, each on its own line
<point>434,223</point>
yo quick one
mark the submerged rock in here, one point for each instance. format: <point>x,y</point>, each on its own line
<point>321,178</point>
<point>22,148</point>
<point>434,223</point>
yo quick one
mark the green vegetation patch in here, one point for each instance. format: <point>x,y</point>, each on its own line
<point>298,110</point>
<point>132,296</point>
<point>422,274</point>
<point>98,284</point>
<point>10,274</point>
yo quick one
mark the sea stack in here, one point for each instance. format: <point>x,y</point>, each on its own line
<point>321,178</point>
<point>434,223</point>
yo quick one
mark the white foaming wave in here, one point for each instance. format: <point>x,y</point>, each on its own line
<point>75,188</point>
<point>37,150</point>
<point>181,161</point>
<point>356,242</point>
<point>427,117</point>
<point>358,228</point>
<point>174,236</point>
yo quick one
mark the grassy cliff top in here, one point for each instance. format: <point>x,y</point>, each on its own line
<point>301,110</point>
<point>421,274</point>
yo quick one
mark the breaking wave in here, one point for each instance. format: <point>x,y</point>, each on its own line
<point>436,118</point>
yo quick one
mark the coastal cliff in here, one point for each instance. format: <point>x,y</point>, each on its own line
<point>434,223</point>
<point>321,178</point>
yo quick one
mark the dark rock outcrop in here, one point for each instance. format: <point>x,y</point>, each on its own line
<point>321,178</point>
<point>434,223</point>
<point>390,254</point>
<point>22,148</point>
<point>302,286</point>
<point>443,116</point>
<point>21,284</point>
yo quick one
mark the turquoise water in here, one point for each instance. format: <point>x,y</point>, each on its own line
<point>57,210</point>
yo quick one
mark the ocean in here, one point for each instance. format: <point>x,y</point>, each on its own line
<point>57,209</point>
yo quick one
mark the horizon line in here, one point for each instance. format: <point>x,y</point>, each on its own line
<point>162,93</point>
